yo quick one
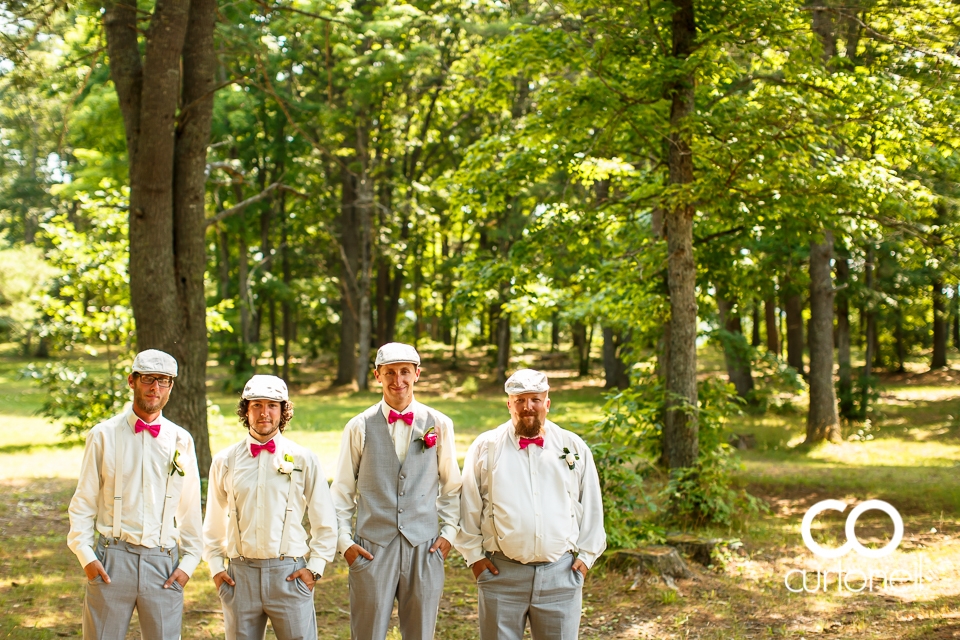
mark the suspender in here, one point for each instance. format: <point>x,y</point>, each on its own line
<point>285,535</point>
<point>118,479</point>
<point>571,484</point>
<point>166,516</point>
<point>235,515</point>
<point>231,494</point>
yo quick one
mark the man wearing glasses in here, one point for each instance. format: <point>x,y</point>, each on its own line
<point>147,514</point>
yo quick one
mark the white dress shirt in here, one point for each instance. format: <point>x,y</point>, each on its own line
<point>534,517</point>
<point>147,466</point>
<point>261,493</point>
<point>344,486</point>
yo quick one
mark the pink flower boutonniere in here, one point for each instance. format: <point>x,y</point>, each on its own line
<point>429,438</point>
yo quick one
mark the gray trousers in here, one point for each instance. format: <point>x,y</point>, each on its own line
<point>136,575</point>
<point>263,591</point>
<point>549,595</point>
<point>411,575</point>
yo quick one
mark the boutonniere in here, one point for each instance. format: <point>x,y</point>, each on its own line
<point>286,465</point>
<point>429,438</point>
<point>175,468</point>
<point>570,457</point>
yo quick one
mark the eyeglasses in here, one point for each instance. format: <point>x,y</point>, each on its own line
<point>163,383</point>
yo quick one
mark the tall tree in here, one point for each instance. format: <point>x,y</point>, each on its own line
<point>166,149</point>
<point>823,422</point>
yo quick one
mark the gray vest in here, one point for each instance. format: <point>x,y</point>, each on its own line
<point>396,499</point>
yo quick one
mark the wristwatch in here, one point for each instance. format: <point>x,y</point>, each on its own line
<point>316,576</point>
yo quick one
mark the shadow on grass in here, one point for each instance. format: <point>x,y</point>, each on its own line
<point>32,448</point>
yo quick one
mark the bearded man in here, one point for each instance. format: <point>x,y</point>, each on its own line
<point>531,519</point>
<point>139,489</point>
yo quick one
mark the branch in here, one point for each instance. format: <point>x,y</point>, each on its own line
<point>240,206</point>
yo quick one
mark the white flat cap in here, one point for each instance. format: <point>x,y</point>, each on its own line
<point>265,388</point>
<point>526,381</point>
<point>154,361</point>
<point>397,352</point>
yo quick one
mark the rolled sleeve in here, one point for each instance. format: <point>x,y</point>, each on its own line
<point>83,506</point>
<point>215,522</point>
<point>469,540</point>
<point>448,500</point>
<point>344,489</point>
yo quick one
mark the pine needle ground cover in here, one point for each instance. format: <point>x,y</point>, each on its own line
<point>908,455</point>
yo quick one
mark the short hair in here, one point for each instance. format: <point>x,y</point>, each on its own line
<point>286,412</point>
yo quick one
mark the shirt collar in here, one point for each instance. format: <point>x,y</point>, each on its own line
<point>278,437</point>
<point>133,417</point>
<point>385,408</point>
<point>546,430</point>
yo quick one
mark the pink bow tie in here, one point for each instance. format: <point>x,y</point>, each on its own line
<point>255,449</point>
<point>526,442</point>
<point>154,429</point>
<point>406,417</point>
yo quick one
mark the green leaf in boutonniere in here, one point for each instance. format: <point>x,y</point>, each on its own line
<point>570,457</point>
<point>175,468</point>
<point>286,466</point>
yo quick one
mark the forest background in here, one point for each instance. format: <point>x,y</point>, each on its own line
<point>282,187</point>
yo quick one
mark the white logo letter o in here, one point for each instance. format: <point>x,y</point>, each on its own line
<point>852,542</point>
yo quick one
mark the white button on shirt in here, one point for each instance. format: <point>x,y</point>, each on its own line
<point>542,509</point>
<point>261,492</point>
<point>147,465</point>
<point>344,487</point>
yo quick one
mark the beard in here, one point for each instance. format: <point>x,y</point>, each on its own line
<point>528,425</point>
<point>148,405</point>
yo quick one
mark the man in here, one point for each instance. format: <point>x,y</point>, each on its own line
<point>139,489</point>
<point>531,519</point>
<point>258,492</point>
<point>398,474</point>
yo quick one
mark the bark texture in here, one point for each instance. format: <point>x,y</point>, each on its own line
<point>845,372</point>
<point>166,160</point>
<point>793,306</point>
<point>615,372</point>
<point>680,431</point>
<point>350,257</point>
<point>823,423</point>
<point>735,352</point>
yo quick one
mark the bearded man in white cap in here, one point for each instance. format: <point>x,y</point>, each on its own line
<point>139,489</point>
<point>259,491</point>
<point>398,475</point>
<point>531,519</point>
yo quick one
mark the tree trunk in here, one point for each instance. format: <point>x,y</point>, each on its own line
<point>770,320</point>
<point>364,206</point>
<point>615,373</point>
<point>680,430</point>
<point>901,343</point>
<point>555,332</point>
<point>939,359</point>
<point>735,351</point>
<point>350,259</point>
<point>955,303</point>
<point>755,329</point>
<point>823,423</point>
<point>581,344</point>
<point>285,307</point>
<point>845,384</point>
<point>870,332</point>
<point>503,339</point>
<point>793,305</point>
<point>167,159</point>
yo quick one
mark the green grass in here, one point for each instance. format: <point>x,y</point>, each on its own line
<point>908,454</point>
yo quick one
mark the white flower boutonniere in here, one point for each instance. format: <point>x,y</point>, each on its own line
<point>570,457</point>
<point>286,465</point>
<point>175,468</point>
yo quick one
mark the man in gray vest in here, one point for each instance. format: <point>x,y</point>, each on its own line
<point>398,474</point>
<point>139,489</point>
<point>259,491</point>
<point>531,519</point>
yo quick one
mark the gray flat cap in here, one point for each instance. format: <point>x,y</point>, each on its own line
<point>397,352</point>
<point>154,361</point>
<point>265,388</point>
<point>526,381</point>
